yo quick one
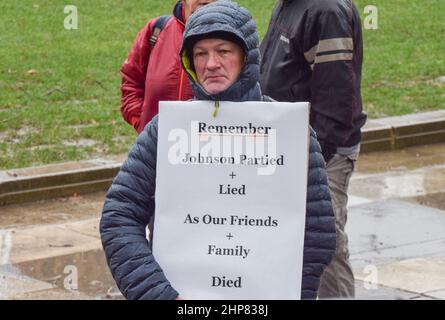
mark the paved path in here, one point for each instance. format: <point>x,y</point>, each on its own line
<point>396,226</point>
<point>397,222</point>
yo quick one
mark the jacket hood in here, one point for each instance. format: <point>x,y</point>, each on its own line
<point>224,17</point>
<point>177,11</point>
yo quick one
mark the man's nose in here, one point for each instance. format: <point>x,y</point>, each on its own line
<point>213,61</point>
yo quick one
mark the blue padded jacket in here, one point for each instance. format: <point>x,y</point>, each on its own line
<point>129,206</point>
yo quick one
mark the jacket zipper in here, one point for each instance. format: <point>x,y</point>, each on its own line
<point>181,80</point>
<point>181,83</point>
<point>215,111</point>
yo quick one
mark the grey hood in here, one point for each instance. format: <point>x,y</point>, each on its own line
<point>225,17</point>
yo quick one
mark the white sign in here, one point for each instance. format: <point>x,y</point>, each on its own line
<point>231,198</point>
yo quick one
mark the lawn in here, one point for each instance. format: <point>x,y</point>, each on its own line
<point>60,91</point>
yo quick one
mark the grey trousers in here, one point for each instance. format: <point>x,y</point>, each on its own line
<point>337,280</point>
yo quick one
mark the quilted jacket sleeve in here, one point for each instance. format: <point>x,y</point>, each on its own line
<point>320,240</point>
<point>128,207</point>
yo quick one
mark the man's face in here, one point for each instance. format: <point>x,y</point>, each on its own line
<point>218,63</point>
<point>191,6</point>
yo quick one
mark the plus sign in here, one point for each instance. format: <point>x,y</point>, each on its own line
<point>232,175</point>
<point>229,236</point>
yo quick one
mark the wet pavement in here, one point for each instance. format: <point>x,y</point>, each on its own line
<point>396,224</point>
<point>54,211</point>
<point>51,249</point>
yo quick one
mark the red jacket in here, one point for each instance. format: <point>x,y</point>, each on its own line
<point>149,77</point>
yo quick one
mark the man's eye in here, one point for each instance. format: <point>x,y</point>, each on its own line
<point>199,54</point>
<point>224,52</point>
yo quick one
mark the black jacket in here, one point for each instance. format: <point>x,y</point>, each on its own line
<point>313,51</point>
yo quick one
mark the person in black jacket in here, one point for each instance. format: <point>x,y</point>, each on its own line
<point>313,52</point>
<point>129,203</point>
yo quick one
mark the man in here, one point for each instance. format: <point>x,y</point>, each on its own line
<point>313,52</point>
<point>221,58</point>
<point>153,73</point>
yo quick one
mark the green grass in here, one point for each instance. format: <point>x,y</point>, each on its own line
<point>59,87</point>
<point>404,57</point>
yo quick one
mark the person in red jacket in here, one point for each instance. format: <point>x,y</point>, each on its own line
<point>150,75</point>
